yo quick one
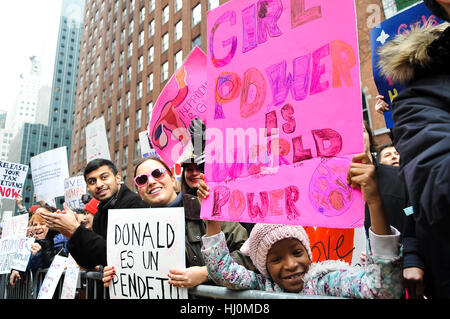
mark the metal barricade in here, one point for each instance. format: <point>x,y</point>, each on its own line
<point>89,283</point>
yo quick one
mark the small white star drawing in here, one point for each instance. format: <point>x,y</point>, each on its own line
<point>383,37</point>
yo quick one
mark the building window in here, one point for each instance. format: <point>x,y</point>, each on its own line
<point>151,28</point>
<point>138,119</point>
<point>137,149</point>
<point>117,132</point>
<point>125,156</point>
<point>165,42</point>
<point>178,30</point>
<point>164,71</point>
<point>126,127</point>
<point>130,49</point>
<point>152,5</point>
<point>196,15</point>
<point>149,111</point>
<point>127,99</point>
<point>151,55</point>
<point>140,64</point>
<point>139,91</point>
<point>165,15</point>
<point>150,82</point>
<point>178,59</point>
<point>212,4</point>
<point>178,4</point>
<point>116,158</point>
<point>197,42</point>
<point>142,15</point>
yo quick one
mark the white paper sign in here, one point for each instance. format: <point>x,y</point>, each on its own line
<point>74,188</point>
<point>70,279</point>
<point>12,178</point>
<point>142,245</point>
<point>52,278</point>
<point>15,226</point>
<point>96,140</point>
<point>49,170</point>
<point>22,253</point>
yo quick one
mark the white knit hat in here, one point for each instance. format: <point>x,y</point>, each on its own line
<point>263,236</point>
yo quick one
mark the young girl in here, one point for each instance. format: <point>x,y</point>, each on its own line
<point>283,256</point>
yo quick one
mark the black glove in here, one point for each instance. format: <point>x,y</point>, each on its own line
<point>197,129</point>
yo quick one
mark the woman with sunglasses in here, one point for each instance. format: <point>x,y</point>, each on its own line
<point>156,186</point>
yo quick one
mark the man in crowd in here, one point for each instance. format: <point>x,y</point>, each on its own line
<point>88,247</point>
<point>388,155</point>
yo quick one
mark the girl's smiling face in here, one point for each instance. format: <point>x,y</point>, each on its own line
<point>287,264</point>
<point>158,193</point>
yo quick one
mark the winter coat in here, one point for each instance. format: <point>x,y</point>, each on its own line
<point>235,235</point>
<point>53,244</point>
<point>88,247</point>
<point>420,60</point>
<point>380,278</point>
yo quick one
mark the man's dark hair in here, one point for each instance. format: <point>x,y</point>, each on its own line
<point>97,163</point>
<point>380,149</point>
<point>437,9</point>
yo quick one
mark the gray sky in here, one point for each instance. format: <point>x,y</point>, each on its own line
<point>27,27</point>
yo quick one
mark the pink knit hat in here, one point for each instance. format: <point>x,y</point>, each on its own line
<point>263,236</point>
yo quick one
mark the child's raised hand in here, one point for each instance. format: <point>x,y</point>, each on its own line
<point>361,174</point>
<point>203,189</point>
<point>108,274</point>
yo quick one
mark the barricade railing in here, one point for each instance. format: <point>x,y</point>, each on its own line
<point>28,288</point>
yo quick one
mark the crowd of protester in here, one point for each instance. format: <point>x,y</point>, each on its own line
<point>405,186</point>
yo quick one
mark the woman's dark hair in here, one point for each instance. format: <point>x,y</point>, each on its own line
<point>50,208</point>
<point>142,160</point>
<point>369,131</point>
<point>97,163</point>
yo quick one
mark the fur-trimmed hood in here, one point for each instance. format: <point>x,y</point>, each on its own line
<point>422,50</point>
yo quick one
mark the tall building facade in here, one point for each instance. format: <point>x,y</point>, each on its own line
<point>129,50</point>
<point>57,129</point>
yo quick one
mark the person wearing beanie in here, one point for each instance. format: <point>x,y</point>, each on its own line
<point>420,61</point>
<point>282,254</point>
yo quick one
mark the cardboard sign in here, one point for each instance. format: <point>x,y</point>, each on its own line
<point>96,140</point>
<point>22,253</point>
<point>12,178</point>
<point>52,277</point>
<point>49,170</point>
<point>416,16</point>
<point>143,245</point>
<point>182,99</point>
<point>284,113</point>
<point>74,188</point>
<point>71,277</point>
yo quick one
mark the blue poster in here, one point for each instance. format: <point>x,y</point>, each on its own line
<point>402,22</point>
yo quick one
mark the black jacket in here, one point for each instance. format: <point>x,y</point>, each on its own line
<point>88,247</point>
<point>421,61</point>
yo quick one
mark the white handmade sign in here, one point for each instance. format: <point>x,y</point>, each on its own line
<point>96,140</point>
<point>52,278</point>
<point>143,245</point>
<point>49,170</point>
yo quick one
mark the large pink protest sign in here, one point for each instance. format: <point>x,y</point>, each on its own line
<point>182,99</point>
<point>284,112</point>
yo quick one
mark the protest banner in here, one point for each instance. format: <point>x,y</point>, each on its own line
<point>21,253</point>
<point>12,178</point>
<point>74,188</point>
<point>52,277</point>
<point>49,170</point>
<point>14,246</point>
<point>143,245</point>
<point>182,99</point>
<point>71,278</point>
<point>96,140</point>
<point>415,16</point>
<point>284,108</point>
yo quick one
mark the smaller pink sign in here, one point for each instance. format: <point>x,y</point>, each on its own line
<point>182,99</point>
